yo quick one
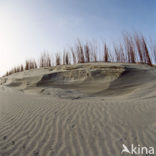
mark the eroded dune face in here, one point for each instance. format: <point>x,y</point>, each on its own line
<point>90,79</point>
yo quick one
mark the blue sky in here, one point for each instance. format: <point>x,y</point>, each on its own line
<point>27,27</point>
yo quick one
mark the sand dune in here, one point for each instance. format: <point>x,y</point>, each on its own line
<point>79,110</point>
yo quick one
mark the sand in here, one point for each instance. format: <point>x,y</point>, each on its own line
<point>79,110</point>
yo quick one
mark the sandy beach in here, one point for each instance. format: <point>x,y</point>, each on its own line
<point>78,110</point>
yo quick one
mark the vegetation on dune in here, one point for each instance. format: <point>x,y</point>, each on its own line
<point>45,60</point>
<point>135,49</point>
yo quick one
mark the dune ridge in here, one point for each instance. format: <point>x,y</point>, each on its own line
<point>89,78</point>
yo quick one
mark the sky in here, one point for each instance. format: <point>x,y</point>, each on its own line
<point>29,27</point>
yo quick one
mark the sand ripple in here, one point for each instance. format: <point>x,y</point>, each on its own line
<point>50,126</point>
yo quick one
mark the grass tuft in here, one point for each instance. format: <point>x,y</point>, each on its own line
<point>45,60</point>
